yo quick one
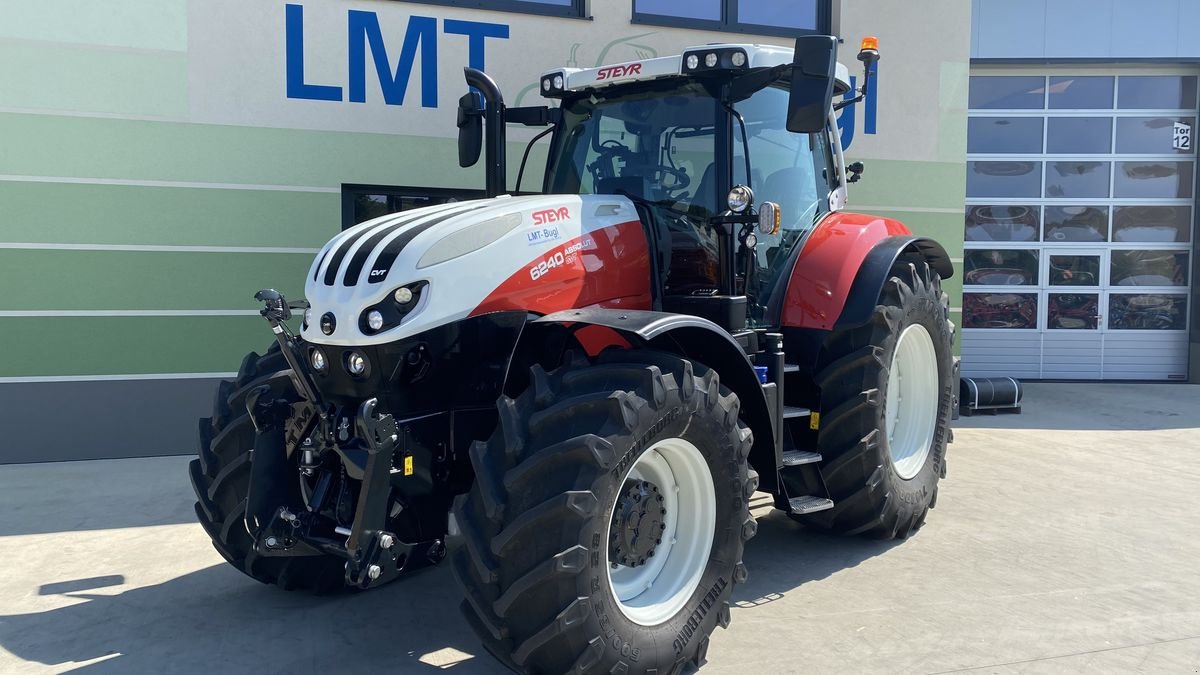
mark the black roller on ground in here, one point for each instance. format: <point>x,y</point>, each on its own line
<point>870,497</point>
<point>530,543</point>
<point>221,479</point>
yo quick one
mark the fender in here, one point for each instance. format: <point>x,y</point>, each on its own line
<point>693,337</point>
<point>875,269</point>
<point>844,264</point>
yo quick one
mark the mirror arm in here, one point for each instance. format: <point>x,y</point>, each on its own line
<point>493,116</point>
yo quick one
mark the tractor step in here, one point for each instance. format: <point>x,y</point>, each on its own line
<point>798,457</point>
<point>793,411</point>
<point>809,504</point>
<point>791,368</point>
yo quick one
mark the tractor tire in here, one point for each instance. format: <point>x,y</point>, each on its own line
<point>531,543</point>
<point>221,479</point>
<point>882,467</point>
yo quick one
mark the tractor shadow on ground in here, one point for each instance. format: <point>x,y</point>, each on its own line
<point>216,620</point>
<point>784,556</point>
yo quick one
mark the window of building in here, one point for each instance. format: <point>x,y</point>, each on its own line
<point>361,203</point>
<point>760,17</point>
<point>570,8</point>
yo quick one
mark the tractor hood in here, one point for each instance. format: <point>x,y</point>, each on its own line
<point>468,258</point>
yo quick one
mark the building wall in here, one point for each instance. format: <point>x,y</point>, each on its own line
<point>156,172</point>
<point>1085,29</point>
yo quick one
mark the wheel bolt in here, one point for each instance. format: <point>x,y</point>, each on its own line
<point>386,541</point>
<point>373,572</point>
<point>272,542</point>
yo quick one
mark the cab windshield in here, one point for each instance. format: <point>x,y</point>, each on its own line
<point>659,144</point>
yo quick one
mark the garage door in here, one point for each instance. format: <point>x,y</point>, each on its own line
<point>1079,225</point>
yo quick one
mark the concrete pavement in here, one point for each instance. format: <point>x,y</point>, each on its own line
<point>1066,539</point>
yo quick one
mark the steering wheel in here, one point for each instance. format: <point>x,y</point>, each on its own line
<point>668,178</point>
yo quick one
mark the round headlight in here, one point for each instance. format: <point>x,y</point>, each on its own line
<point>558,81</point>
<point>403,295</point>
<point>693,62</point>
<point>317,358</point>
<point>738,59</point>
<point>710,59</point>
<point>356,363</point>
<point>546,84</point>
<point>328,323</point>
<point>740,198</point>
<point>374,319</point>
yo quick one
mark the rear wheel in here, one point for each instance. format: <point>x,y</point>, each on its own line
<point>886,402</point>
<point>221,479</point>
<point>605,527</point>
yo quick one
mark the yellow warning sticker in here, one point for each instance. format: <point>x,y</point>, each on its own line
<point>408,467</point>
<point>814,420</point>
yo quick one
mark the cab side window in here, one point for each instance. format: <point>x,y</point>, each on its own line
<point>786,167</point>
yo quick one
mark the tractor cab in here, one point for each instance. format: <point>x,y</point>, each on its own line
<point>729,152</point>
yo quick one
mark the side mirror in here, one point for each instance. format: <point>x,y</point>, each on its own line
<point>814,70</point>
<point>470,129</point>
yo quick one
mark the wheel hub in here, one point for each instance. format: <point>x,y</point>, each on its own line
<point>638,523</point>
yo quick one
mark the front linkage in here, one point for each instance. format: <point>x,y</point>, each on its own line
<point>276,514</point>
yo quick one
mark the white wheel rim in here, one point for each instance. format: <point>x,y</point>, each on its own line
<point>911,405</point>
<point>652,593</point>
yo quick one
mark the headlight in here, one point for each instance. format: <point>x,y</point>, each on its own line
<point>317,358</point>
<point>374,319</point>
<point>392,310</point>
<point>356,364</point>
<point>740,198</point>
<point>693,62</point>
<point>710,59</point>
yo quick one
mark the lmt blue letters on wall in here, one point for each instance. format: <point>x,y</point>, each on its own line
<point>363,35</point>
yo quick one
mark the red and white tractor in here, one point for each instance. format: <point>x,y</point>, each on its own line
<point>575,393</point>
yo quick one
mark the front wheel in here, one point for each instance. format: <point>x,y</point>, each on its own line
<point>886,399</point>
<point>221,480</point>
<point>604,531</point>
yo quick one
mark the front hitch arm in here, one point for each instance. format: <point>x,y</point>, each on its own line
<point>277,310</point>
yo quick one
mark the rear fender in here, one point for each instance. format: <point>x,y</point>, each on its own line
<point>843,266</point>
<point>690,337</point>
<point>876,268</point>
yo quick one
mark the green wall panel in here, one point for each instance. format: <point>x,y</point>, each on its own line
<point>50,346</point>
<point>137,24</point>
<point>931,185</point>
<point>124,280</point>
<point>122,214</point>
<point>77,78</point>
<point>81,147</point>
